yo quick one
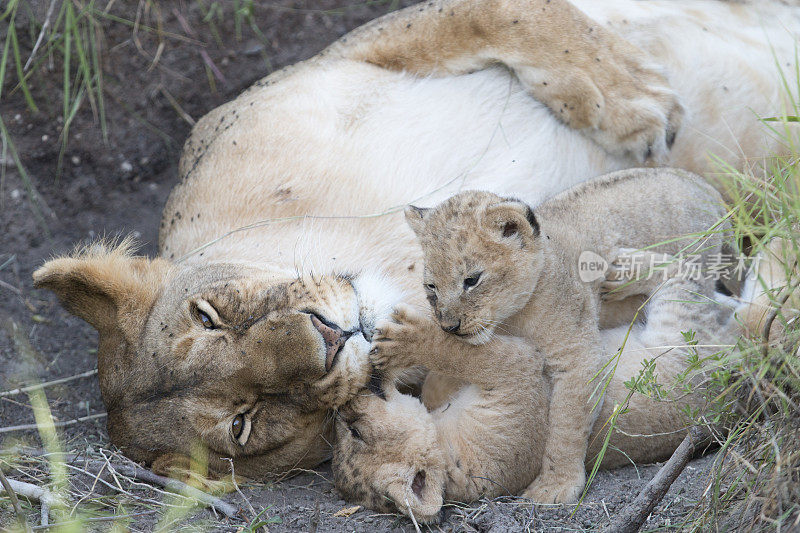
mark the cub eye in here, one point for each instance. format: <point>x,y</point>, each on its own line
<point>354,432</point>
<point>430,286</point>
<point>237,426</point>
<point>472,280</point>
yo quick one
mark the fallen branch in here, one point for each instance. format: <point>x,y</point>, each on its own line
<point>134,471</point>
<point>633,516</point>
<point>32,492</point>
<point>141,473</point>
<point>59,381</point>
<point>25,427</point>
<point>21,519</point>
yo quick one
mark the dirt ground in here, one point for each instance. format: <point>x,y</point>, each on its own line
<point>119,185</point>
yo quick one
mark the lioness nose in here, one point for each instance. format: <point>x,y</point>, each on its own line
<point>451,328</point>
<point>334,339</point>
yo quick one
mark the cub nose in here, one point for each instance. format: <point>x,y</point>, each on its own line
<point>334,339</point>
<point>451,327</point>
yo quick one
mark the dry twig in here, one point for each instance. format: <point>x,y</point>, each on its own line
<point>41,35</point>
<point>135,471</point>
<point>631,518</point>
<point>32,492</point>
<point>26,427</point>
<point>23,521</point>
<point>59,381</point>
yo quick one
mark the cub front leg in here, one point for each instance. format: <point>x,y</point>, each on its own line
<point>589,76</point>
<point>409,339</point>
<point>573,410</point>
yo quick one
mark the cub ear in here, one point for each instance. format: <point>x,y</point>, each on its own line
<point>416,216</point>
<point>513,218</point>
<point>105,285</point>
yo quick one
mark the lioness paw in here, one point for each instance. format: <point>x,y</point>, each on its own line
<point>642,112</point>
<point>623,102</point>
<point>556,488</point>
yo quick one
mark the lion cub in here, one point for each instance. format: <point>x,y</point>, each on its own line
<point>488,439</point>
<point>495,263</point>
<point>392,454</point>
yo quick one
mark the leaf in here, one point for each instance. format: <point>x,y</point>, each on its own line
<point>347,511</point>
<point>790,118</point>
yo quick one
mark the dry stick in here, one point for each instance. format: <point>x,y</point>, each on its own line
<point>32,492</point>
<point>140,473</point>
<point>631,518</point>
<point>23,521</point>
<point>41,35</point>
<point>15,392</point>
<point>173,485</point>
<point>11,288</point>
<point>26,427</point>
<point>413,518</point>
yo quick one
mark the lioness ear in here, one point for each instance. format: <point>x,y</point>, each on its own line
<point>513,218</point>
<point>106,286</point>
<point>415,217</point>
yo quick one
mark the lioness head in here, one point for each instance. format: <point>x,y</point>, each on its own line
<point>244,360</point>
<point>387,456</point>
<point>482,260</point>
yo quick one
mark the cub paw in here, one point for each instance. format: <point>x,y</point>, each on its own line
<point>398,338</point>
<point>556,489</point>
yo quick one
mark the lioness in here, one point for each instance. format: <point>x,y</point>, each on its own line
<point>493,263</point>
<point>490,437</point>
<point>290,197</point>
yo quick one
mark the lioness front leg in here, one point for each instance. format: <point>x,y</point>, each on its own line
<point>590,77</point>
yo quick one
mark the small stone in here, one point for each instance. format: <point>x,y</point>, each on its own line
<point>15,194</point>
<point>126,166</point>
<point>45,138</point>
<point>75,160</point>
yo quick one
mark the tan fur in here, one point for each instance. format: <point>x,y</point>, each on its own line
<point>489,265</point>
<point>489,439</point>
<point>590,78</point>
<point>169,383</point>
<point>297,183</point>
<point>772,281</point>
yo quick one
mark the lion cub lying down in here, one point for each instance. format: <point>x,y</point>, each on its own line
<point>488,439</point>
<point>495,263</point>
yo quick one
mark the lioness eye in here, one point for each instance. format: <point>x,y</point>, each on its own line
<point>472,280</point>
<point>237,426</point>
<point>430,286</point>
<point>205,320</point>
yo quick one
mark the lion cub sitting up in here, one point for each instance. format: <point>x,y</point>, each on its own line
<point>495,263</point>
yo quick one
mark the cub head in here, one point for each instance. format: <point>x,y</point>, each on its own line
<point>387,457</point>
<point>237,360</point>
<point>482,259</point>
